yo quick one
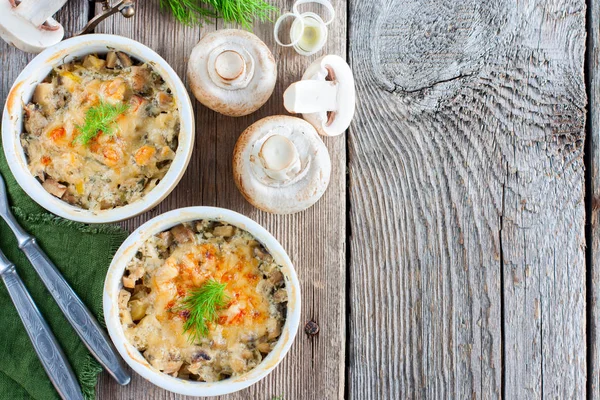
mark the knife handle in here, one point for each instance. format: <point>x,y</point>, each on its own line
<point>76,312</point>
<point>49,352</point>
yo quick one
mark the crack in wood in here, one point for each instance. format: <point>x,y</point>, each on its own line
<point>399,89</point>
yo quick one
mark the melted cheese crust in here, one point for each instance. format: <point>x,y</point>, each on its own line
<point>111,170</point>
<point>246,328</point>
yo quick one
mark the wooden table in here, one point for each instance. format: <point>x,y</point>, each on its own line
<point>454,253</point>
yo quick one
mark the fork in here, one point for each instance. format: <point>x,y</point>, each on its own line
<point>49,352</point>
<point>75,311</point>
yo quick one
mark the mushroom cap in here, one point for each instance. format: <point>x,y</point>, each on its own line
<point>232,71</point>
<point>17,29</point>
<point>283,191</point>
<point>331,68</point>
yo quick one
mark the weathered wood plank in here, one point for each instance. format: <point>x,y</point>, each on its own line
<point>593,81</point>
<point>315,239</point>
<point>466,198</point>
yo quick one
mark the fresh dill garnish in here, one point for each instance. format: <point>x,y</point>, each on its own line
<point>101,117</point>
<point>201,306</point>
<point>188,12</point>
<point>243,12</point>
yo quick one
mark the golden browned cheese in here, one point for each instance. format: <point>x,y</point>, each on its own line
<point>174,262</point>
<point>110,170</point>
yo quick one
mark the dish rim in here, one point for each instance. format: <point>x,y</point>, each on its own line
<point>135,359</point>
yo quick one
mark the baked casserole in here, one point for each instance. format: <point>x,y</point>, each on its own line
<point>174,266</point>
<point>101,131</point>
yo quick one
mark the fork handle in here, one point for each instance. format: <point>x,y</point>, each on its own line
<point>47,348</point>
<point>76,312</point>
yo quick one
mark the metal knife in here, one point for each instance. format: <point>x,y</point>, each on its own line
<point>49,352</point>
<point>84,323</point>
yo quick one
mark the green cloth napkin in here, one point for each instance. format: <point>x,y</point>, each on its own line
<point>82,253</point>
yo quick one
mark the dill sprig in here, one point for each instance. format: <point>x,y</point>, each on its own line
<point>243,12</point>
<point>101,117</point>
<point>202,304</point>
<point>188,12</point>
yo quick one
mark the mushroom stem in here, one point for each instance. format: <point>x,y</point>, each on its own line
<point>28,24</point>
<point>229,65</point>
<point>311,96</point>
<point>38,12</point>
<point>280,158</point>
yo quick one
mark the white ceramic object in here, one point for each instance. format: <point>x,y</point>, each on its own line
<point>136,360</point>
<point>37,70</point>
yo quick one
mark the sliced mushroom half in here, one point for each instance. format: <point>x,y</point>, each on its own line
<point>232,72</point>
<point>27,24</point>
<point>325,96</point>
<point>281,165</point>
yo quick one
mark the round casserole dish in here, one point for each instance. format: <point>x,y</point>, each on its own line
<point>22,92</point>
<point>136,360</point>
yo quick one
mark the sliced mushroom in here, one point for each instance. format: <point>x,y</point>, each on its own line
<point>44,96</point>
<point>54,188</point>
<point>280,165</point>
<point>279,296</point>
<point>166,239</point>
<point>276,278</point>
<point>35,121</point>
<point>111,59</point>
<point>182,234</point>
<point>232,72</point>
<point>124,59</point>
<point>140,77</point>
<point>224,231</point>
<point>325,96</point>
<point>28,25</point>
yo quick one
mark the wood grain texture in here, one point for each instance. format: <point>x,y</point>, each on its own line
<point>314,239</point>
<point>593,149</point>
<point>467,268</point>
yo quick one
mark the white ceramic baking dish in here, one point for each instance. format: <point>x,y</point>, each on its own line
<point>22,92</point>
<point>132,356</point>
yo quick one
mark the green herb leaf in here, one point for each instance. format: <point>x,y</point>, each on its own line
<point>188,12</point>
<point>100,117</point>
<point>243,12</point>
<point>202,304</point>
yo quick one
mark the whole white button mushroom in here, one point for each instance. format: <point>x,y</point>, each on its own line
<point>232,72</point>
<point>325,96</point>
<point>280,165</point>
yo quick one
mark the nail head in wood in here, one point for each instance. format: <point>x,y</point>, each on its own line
<point>311,328</point>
